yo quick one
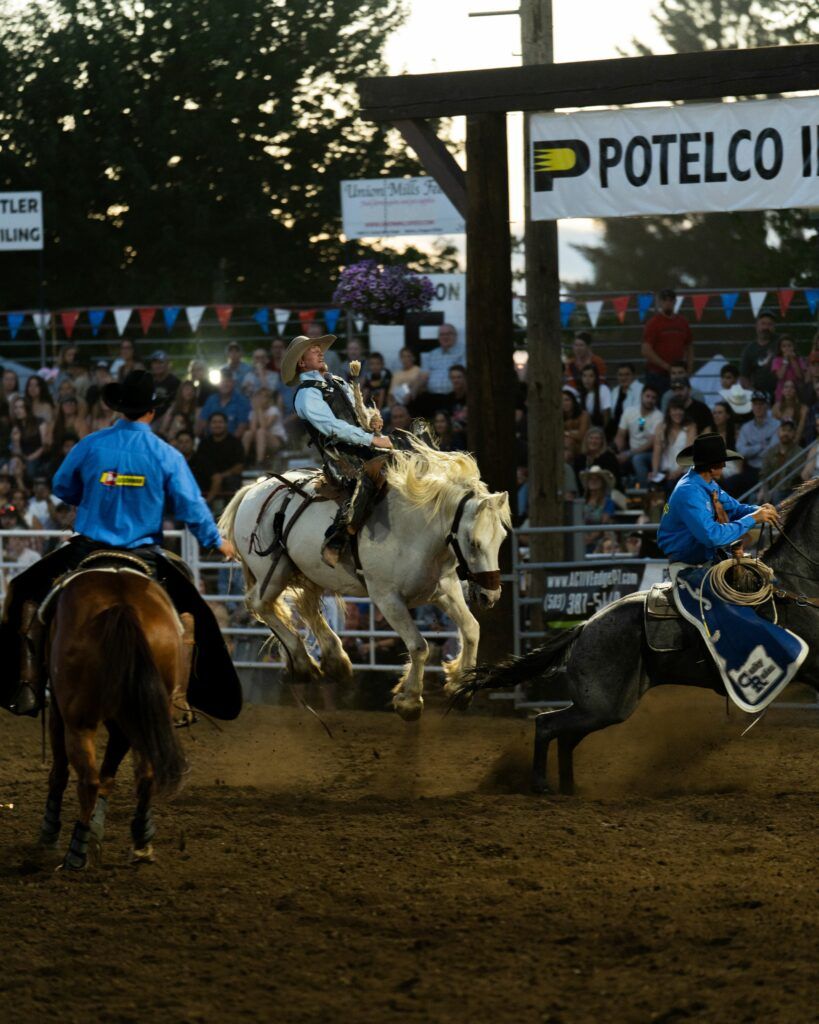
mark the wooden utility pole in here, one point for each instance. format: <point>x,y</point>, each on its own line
<point>544,371</point>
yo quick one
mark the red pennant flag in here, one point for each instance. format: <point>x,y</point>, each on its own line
<point>699,302</point>
<point>785,296</point>
<point>69,319</point>
<point>146,317</point>
<point>224,313</point>
<point>307,316</point>
<point>620,306</point>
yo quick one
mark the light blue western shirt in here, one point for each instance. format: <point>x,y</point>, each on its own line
<point>311,406</point>
<point>689,531</point>
<point>120,478</point>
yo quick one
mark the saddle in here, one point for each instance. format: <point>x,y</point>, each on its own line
<point>665,629</point>
<point>97,561</point>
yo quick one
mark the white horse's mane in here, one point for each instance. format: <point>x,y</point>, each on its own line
<point>434,482</point>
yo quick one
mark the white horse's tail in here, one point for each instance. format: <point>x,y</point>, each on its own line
<point>228,518</point>
<point>307,599</point>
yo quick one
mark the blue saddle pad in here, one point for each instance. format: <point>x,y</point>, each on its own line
<point>756,658</point>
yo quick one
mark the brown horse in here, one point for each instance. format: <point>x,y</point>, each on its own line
<point>117,653</point>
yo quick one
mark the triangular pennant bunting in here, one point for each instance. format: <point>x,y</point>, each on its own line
<point>262,318</point>
<point>223,314</point>
<point>812,299</point>
<point>785,296</point>
<point>95,318</point>
<point>678,302</point>
<point>281,316</point>
<point>170,313</point>
<point>729,300</point>
<point>68,318</point>
<point>757,298</point>
<point>146,317</point>
<point>593,308</point>
<point>121,318</point>
<point>194,315</point>
<point>307,317</point>
<point>331,318</point>
<point>567,307</point>
<point>699,302</point>
<point>620,306</point>
<point>15,322</point>
<point>41,322</point>
<point>644,304</point>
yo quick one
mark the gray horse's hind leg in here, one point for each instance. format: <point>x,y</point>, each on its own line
<point>568,726</point>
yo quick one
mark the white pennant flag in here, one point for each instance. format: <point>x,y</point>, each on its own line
<point>757,298</point>
<point>41,322</point>
<point>121,318</point>
<point>360,324</point>
<point>678,302</point>
<point>194,315</point>
<point>593,308</point>
<point>281,316</point>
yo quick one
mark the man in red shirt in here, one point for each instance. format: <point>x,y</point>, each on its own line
<point>666,340</point>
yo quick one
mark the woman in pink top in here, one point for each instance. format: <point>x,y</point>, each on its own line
<point>787,365</point>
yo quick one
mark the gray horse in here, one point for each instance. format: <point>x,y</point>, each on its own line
<point>607,665</point>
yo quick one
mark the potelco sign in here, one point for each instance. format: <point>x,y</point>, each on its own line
<point>21,221</point>
<point>755,155</point>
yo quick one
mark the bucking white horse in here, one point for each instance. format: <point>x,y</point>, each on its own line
<point>437,525</point>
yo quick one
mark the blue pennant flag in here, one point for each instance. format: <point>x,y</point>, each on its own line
<point>331,319</point>
<point>644,304</point>
<point>15,323</point>
<point>729,300</point>
<point>170,313</point>
<point>812,296</point>
<point>566,309</point>
<point>262,318</point>
<point>95,317</point>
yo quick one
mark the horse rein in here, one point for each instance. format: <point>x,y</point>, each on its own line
<point>488,580</point>
<point>801,599</point>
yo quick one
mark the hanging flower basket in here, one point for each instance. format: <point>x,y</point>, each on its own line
<point>382,295</point>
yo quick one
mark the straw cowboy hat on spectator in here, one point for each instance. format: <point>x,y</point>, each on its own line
<point>296,349</point>
<point>598,471</point>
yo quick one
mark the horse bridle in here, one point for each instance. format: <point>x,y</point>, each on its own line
<point>488,580</point>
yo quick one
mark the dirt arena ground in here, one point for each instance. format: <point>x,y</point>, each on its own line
<point>401,872</point>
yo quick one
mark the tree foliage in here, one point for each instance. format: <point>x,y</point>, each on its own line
<point>742,248</point>
<point>188,150</point>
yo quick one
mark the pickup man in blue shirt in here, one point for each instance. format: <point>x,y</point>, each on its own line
<point>348,450</point>
<point>700,517</point>
<point>120,479</point>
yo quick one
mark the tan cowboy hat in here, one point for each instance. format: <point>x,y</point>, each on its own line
<point>599,471</point>
<point>738,398</point>
<point>296,349</point>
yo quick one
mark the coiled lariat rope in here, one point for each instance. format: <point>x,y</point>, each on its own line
<point>750,571</point>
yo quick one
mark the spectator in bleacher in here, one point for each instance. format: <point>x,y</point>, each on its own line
<point>262,376</point>
<point>435,366</point>
<point>598,507</point>
<point>596,396</point>
<point>219,460</point>
<point>726,425</point>
<point>376,380</point>
<point>783,450</point>
<point>39,398</point>
<point>400,418</point>
<point>811,465</point>
<point>66,360</point>
<point>19,550</point>
<point>460,411</point>
<point>575,418</point>
<point>677,431</point>
<point>593,452</point>
<point>666,340</point>
<point>234,363</point>
<point>28,436</point>
<point>22,502</point>
<point>581,357</point>
<point>625,396</point>
<point>266,434</point>
<point>697,412</point>
<point>64,516</point>
<point>409,380</point>
<point>183,405</point>
<point>444,435</point>
<point>756,366</point>
<point>185,443</point>
<point>228,401</point>
<point>198,376</point>
<point>728,376</point>
<point>753,440</point>
<point>99,415</point>
<point>58,452</point>
<point>166,383</point>
<point>69,420</point>
<point>678,373</point>
<point>788,366</point>
<point>5,489</point>
<point>126,361</point>
<point>739,402</point>
<point>42,502</point>
<point>635,435</point>
<point>789,406</point>
<point>100,376</point>
<point>277,349</point>
<point>571,487</point>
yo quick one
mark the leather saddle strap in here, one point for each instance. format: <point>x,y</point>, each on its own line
<point>280,541</point>
<point>800,599</point>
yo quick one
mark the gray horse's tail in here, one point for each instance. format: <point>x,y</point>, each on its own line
<point>515,670</point>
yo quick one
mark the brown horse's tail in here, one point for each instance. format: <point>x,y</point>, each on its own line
<point>139,694</point>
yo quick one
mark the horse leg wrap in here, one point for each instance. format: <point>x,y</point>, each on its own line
<point>143,829</point>
<point>50,828</point>
<point>77,856</point>
<point>182,713</point>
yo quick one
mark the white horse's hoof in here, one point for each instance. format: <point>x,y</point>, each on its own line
<point>143,856</point>
<point>409,710</point>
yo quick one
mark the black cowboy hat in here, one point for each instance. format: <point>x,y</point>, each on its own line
<point>707,450</point>
<point>134,396</point>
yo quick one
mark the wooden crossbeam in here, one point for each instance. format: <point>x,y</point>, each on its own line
<point>710,74</point>
<point>436,160</point>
